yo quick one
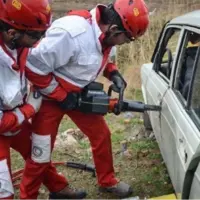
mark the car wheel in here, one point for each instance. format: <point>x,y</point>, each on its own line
<point>147,122</point>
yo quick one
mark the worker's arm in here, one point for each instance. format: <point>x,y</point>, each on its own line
<point>111,66</point>
<point>54,51</point>
<point>10,120</point>
<point>111,72</point>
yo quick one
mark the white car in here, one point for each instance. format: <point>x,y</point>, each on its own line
<point>172,80</point>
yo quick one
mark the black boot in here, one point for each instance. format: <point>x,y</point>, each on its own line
<point>68,193</point>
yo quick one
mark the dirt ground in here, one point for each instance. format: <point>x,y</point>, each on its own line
<point>61,6</point>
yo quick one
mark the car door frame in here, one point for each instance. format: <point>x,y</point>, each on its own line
<point>163,81</point>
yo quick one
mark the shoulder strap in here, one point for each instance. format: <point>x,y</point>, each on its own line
<point>82,13</point>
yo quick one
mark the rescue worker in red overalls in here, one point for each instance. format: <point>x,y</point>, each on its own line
<point>73,54</point>
<point>22,24</point>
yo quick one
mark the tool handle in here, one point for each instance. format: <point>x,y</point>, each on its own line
<point>121,93</point>
<point>118,106</point>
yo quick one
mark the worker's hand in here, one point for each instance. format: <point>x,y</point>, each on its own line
<point>34,99</point>
<point>119,82</point>
<point>70,102</point>
<point>32,105</point>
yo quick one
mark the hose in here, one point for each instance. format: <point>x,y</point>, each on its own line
<point>17,175</point>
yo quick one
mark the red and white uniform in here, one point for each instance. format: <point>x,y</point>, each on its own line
<point>12,92</point>
<point>12,89</point>
<point>15,130</point>
<point>67,59</point>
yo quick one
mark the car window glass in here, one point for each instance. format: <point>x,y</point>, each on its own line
<point>167,51</point>
<point>171,45</point>
<point>186,64</point>
<point>195,93</point>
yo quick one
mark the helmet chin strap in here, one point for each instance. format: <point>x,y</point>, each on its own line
<point>15,41</point>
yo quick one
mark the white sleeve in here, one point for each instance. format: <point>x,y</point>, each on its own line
<point>52,52</point>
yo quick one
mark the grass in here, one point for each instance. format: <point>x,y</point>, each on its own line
<point>66,123</point>
<point>144,145</point>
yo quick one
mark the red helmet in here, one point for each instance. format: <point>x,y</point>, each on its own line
<point>26,14</point>
<point>134,15</point>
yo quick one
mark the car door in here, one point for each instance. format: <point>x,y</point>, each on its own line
<point>159,74</point>
<point>179,134</point>
<point>191,183</point>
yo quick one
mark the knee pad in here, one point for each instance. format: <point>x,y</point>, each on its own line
<point>6,186</point>
<point>41,148</point>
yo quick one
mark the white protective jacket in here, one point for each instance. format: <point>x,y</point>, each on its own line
<point>70,56</point>
<point>13,90</point>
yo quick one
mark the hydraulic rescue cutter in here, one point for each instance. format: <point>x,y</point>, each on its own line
<point>94,99</point>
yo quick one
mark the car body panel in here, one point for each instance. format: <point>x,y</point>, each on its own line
<point>176,133</point>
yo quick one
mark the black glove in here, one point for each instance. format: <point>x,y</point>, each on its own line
<point>118,81</point>
<point>70,102</point>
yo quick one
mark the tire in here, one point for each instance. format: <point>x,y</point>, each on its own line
<point>147,122</point>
